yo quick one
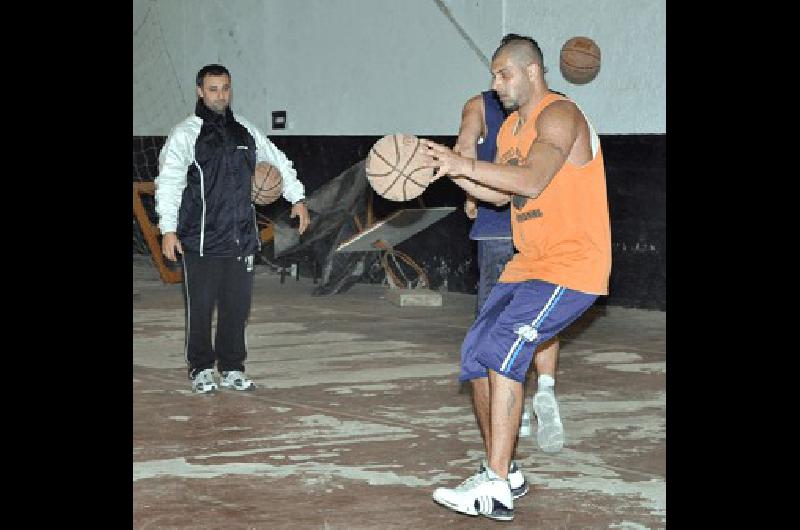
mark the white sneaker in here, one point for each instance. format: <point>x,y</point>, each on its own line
<point>550,431</point>
<point>481,494</point>
<point>203,382</point>
<point>236,380</point>
<point>519,486</point>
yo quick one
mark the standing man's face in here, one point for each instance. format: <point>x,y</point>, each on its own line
<point>216,92</point>
<point>511,82</point>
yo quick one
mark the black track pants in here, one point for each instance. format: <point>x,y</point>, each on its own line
<point>228,284</point>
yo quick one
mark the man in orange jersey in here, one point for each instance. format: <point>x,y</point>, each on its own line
<point>481,119</point>
<point>550,167</point>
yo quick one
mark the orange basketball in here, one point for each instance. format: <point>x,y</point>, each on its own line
<point>267,184</point>
<point>580,60</point>
<point>395,168</point>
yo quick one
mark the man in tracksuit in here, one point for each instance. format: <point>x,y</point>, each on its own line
<point>203,200</point>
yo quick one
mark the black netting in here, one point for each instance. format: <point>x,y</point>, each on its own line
<point>145,169</point>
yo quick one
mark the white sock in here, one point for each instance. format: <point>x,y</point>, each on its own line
<point>491,474</point>
<point>546,383</point>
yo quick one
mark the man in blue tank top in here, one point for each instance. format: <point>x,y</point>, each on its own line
<point>492,226</point>
<point>477,138</point>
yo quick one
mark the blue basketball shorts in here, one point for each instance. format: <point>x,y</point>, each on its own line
<point>514,320</point>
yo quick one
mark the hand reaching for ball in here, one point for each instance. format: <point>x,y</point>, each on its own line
<point>445,161</point>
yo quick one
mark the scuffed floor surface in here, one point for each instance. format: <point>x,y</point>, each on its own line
<point>359,416</point>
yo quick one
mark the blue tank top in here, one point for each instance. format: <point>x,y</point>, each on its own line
<point>492,222</point>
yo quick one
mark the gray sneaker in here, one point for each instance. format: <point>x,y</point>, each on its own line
<point>550,431</point>
<point>203,382</point>
<point>236,380</point>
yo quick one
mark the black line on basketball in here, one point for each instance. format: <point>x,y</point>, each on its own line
<point>408,177</point>
<point>390,164</point>
<point>580,51</point>
<point>392,184</point>
<point>579,67</point>
<point>379,174</point>
<point>402,171</point>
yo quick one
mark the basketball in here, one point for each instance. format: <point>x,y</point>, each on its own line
<point>580,60</point>
<point>267,184</point>
<point>395,167</point>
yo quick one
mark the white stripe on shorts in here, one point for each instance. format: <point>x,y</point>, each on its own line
<point>536,322</point>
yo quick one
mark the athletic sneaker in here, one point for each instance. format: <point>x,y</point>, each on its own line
<point>550,431</point>
<point>481,494</point>
<point>236,380</point>
<point>519,486</point>
<point>203,381</point>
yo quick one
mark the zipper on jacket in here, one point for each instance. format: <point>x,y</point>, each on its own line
<point>237,237</point>
<point>203,196</point>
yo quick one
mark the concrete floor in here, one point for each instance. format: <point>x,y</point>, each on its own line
<point>359,416</point>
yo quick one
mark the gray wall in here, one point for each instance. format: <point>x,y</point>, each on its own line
<point>629,94</point>
<point>373,67</point>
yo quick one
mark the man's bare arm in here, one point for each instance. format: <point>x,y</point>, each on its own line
<point>556,133</point>
<point>481,192</point>
<point>471,128</point>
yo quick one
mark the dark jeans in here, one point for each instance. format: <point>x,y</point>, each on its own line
<point>493,254</point>
<point>228,284</point>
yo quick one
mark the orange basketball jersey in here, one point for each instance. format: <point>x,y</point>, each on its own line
<point>562,236</point>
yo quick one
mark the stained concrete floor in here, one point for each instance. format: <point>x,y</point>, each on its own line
<point>359,416</point>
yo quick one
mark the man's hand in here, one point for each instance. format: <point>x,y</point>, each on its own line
<point>445,160</point>
<point>300,210</point>
<point>471,207</point>
<point>169,244</point>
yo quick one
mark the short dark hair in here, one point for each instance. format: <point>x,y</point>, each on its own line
<point>514,40</point>
<point>211,69</point>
